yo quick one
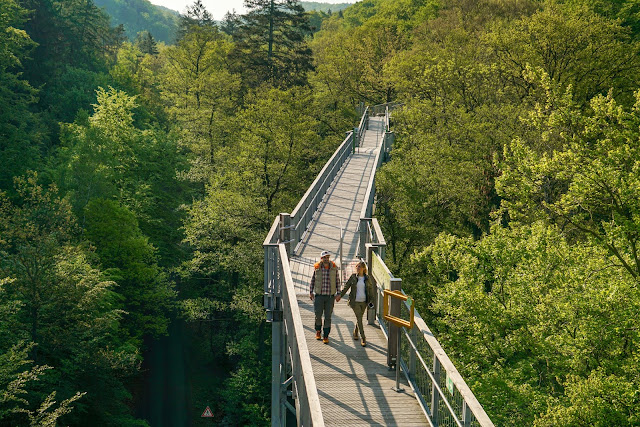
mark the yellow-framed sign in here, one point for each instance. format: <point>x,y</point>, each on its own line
<point>387,295</point>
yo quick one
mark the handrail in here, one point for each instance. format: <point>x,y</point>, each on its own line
<point>378,237</point>
<point>302,371</point>
<point>366,212</point>
<point>306,207</point>
<point>308,204</point>
<point>452,373</point>
<point>364,124</point>
<point>272,236</point>
<point>289,346</point>
<point>370,232</point>
<point>367,206</point>
<point>379,109</point>
<point>433,379</point>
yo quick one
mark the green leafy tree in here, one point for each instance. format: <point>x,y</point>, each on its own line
<point>139,74</point>
<point>199,89</point>
<point>107,156</point>
<point>63,312</point>
<point>588,183</point>
<point>129,259</point>
<point>263,172</point>
<point>75,44</point>
<point>534,322</point>
<point>456,118</point>
<point>574,46</point>
<point>70,32</point>
<point>32,234</point>
<point>15,379</point>
<point>146,43</point>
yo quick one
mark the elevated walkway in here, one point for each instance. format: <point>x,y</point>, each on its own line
<point>354,383</point>
<point>340,207</point>
<point>343,383</point>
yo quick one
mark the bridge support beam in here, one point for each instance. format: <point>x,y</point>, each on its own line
<point>277,402</point>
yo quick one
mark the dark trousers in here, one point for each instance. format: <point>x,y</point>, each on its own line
<point>323,304</point>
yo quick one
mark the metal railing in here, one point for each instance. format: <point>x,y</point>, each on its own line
<point>364,125</point>
<point>442,392</point>
<point>305,209</point>
<point>425,364</point>
<point>380,109</point>
<point>292,375</point>
<point>293,387</point>
<point>366,213</point>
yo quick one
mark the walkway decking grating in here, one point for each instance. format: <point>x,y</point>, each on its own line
<point>354,383</point>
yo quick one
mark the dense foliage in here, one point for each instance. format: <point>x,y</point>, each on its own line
<point>510,200</point>
<point>138,180</point>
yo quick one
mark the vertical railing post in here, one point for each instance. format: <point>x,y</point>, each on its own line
<point>394,310</point>
<point>342,277</point>
<point>295,234</point>
<point>397,387</point>
<point>362,229</point>
<point>285,232</point>
<point>356,140</point>
<point>413,333</point>
<point>277,398</point>
<point>466,414</point>
<point>435,397</point>
<point>371,311</point>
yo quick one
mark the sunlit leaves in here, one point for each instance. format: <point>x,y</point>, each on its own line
<point>540,312</point>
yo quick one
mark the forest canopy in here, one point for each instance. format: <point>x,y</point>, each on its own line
<point>139,175</point>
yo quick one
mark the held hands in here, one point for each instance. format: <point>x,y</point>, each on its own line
<point>338,298</point>
<point>311,296</point>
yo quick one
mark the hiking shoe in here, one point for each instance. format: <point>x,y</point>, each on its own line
<point>325,340</point>
<point>363,343</point>
<point>318,337</point>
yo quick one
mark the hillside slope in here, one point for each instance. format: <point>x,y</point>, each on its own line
<point>141,15</point>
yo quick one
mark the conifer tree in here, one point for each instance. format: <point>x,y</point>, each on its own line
<point>146,43</point>
<point>271,43</point>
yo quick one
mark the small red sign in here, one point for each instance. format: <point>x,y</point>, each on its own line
<point>207,413</point>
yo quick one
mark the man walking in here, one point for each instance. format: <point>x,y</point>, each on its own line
<point>325,284</point>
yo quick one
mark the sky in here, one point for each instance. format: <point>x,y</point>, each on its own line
<point>219,8</point>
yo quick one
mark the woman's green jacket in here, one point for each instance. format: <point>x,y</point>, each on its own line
<point>369,289</point>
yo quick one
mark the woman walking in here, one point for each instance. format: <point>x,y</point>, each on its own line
<point>363,292</point>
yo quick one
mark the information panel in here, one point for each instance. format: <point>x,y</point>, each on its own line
<point>380,272</point>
